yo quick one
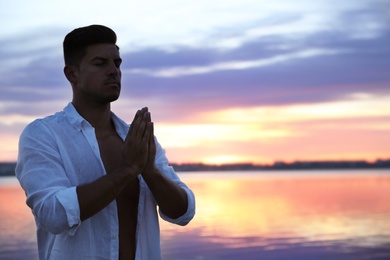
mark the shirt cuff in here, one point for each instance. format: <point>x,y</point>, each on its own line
<point>69,201</point>
<point>187,217</point>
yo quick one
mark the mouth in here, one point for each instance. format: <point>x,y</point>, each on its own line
<point>116,83</point>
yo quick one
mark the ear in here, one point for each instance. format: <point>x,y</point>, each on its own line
<point>70,73</point>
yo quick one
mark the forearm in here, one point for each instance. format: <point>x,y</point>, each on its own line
<point>96,195</point>
<point>170,197</point>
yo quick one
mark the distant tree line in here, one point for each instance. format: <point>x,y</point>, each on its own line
<point>8,169</point>
<point>332,165</point>
<point>298,165</point>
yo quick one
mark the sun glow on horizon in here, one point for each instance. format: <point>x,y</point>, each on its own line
<point>353,129</point>
<point>223,159</point>
<point>284,133</point>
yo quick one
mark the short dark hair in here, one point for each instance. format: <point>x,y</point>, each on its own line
<point>76,42</point>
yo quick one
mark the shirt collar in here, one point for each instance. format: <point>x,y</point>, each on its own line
<point>79,122</point>
<point>74,117</point>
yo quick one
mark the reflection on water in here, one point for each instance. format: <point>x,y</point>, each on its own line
<point>311,215</point>
<point>17,235</point>
<point>286,216</point>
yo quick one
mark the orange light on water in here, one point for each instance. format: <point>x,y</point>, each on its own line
<point>300,207</point>
<point>13,210</point>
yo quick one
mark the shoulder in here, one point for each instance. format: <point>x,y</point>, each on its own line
<point>42,125</point>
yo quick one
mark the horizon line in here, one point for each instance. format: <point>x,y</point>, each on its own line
<point>263,164</point>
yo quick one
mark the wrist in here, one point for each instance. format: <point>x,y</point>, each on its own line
<point>150,173</point>
<point>128,173</point>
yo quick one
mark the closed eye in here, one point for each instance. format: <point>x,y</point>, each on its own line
<point>99,61</point>
<point>118,63</point>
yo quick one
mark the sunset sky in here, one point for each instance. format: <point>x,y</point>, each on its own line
<point>226,81</point>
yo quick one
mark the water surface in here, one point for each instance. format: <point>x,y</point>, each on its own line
<point>253,215</point>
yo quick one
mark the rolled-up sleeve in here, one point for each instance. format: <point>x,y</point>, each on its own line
<point>186,217</point>
<point>41,174</point>
<point>69,201</point>
<point>163,165</point>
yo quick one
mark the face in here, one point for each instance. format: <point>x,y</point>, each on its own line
<point>98,78</point>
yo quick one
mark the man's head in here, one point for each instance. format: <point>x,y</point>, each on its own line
<point>92,64</point>
<point>77,41</point>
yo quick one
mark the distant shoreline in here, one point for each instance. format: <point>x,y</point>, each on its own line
<point>298,165</point>
<point>8,169</point>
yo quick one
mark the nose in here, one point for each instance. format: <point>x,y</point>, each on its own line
<point>114,70</point>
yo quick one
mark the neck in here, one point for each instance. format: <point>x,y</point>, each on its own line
<point>98,115</point>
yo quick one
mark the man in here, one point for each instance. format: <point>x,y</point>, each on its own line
<point>93,182</point>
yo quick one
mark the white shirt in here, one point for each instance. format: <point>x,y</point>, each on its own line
<point>60,152</point>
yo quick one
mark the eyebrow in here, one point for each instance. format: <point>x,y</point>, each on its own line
<point>98,58</point>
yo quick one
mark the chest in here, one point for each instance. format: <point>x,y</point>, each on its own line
<point>110,147</point>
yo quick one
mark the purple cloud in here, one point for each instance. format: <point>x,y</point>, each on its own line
<point>323,65</point>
